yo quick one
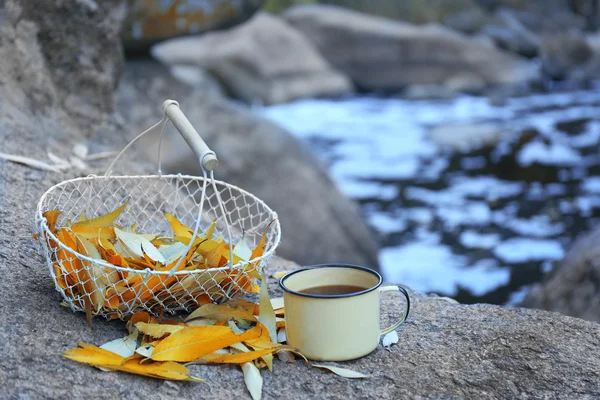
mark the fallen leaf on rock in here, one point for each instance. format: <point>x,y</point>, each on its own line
<point>194,342</point>
<point>279,274</point>
<point>157,330</point>
<point>253,380</point>
<point>124,347</point>
<point>390,339</point>
<point>266,313</point>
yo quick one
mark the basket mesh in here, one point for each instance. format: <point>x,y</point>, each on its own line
<point>102,285</point>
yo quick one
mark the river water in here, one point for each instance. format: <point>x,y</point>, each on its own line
<point>470,199</point>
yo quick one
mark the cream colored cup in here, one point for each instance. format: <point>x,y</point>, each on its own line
<point>335,327</point>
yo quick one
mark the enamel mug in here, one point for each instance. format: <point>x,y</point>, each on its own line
<point>335,327</point>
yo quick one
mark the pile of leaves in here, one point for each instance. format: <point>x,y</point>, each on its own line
<point>116,293</point>
<point>237,332</point>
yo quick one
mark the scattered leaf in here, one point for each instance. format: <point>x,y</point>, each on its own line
<point>390,339</point>
<point>103,221</point>
<point>194,342</point>
<point>139,245</point>
<point>124,347</point>
<point>266,313</point>
<point>253,380</point>
<point>279,275</point>
<point>157,330</point>
<point>220,313</point>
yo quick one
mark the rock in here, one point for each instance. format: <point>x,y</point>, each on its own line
<point>573,286</point>
<point>262,61</point>
<point>510,34</point>
<point>153,20</point>
<point>381,54</point>
<point>565,56</point>
<point>445,350</point>
<point>467,21</point>
<point>318,223</point>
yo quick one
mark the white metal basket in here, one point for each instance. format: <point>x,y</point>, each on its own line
<point>195,201</point>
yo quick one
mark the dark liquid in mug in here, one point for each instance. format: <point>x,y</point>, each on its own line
<point>332,290</point>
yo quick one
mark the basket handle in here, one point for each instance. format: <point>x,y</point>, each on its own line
<point>207,158</point>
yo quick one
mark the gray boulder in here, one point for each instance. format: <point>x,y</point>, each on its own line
<point>381,54</point>
<point>573,286</point>
<point>262,61</point>
<point>446,351</point>
<point>509,33</point>
<point>318,223</point>
<point>566,56</point>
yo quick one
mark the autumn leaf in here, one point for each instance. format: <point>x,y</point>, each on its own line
<point>253,380</point>
<point>157,330</point>
<point>103,221</point>
<point>220,313</point>
<point>178,228</point>
<point>266,313</point>
<point>194,342</point>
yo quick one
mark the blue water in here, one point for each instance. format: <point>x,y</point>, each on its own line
<point>469,199</point>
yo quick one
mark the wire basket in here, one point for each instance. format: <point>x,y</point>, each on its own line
<point>195,201</point>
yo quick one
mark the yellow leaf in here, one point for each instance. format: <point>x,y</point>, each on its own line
<point>94,232</point>
<point>93,355</point>
<point>163,370</point>
<point>51,218</point>
<point>220,313</point>
<point>178,228</point>
<point>103,221</point>
<point>194,342</point>
<point>213,257</point>
<point>279,275</point>
<point>239,358</point>
<point>157,330</point>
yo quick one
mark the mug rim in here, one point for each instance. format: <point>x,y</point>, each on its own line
<point>331,296</point>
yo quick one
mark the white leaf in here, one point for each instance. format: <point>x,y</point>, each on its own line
<point>80,150</point>
<point>265,310</point>
<point>124,347</point>
<point>145,351</point>
<point>78,163</point>
<point>281,336</point>
<point>100,156</point>
<point>253,380</point>
<point>345,372</point>
<point>30,162</point>
<point>390,339</point>
<point>277,302</point>
<point>172,252</point>
<point>60,162</point>
<point>123,250</point>
<point>148,236</point>
<point>135,243</point>
<point>240,347</point>
<point>202,322</point>
<point>234,328</point>
<point>242,250</point>
<point>90,249</point>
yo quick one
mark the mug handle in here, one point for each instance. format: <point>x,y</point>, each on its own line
<point>403,318</point>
